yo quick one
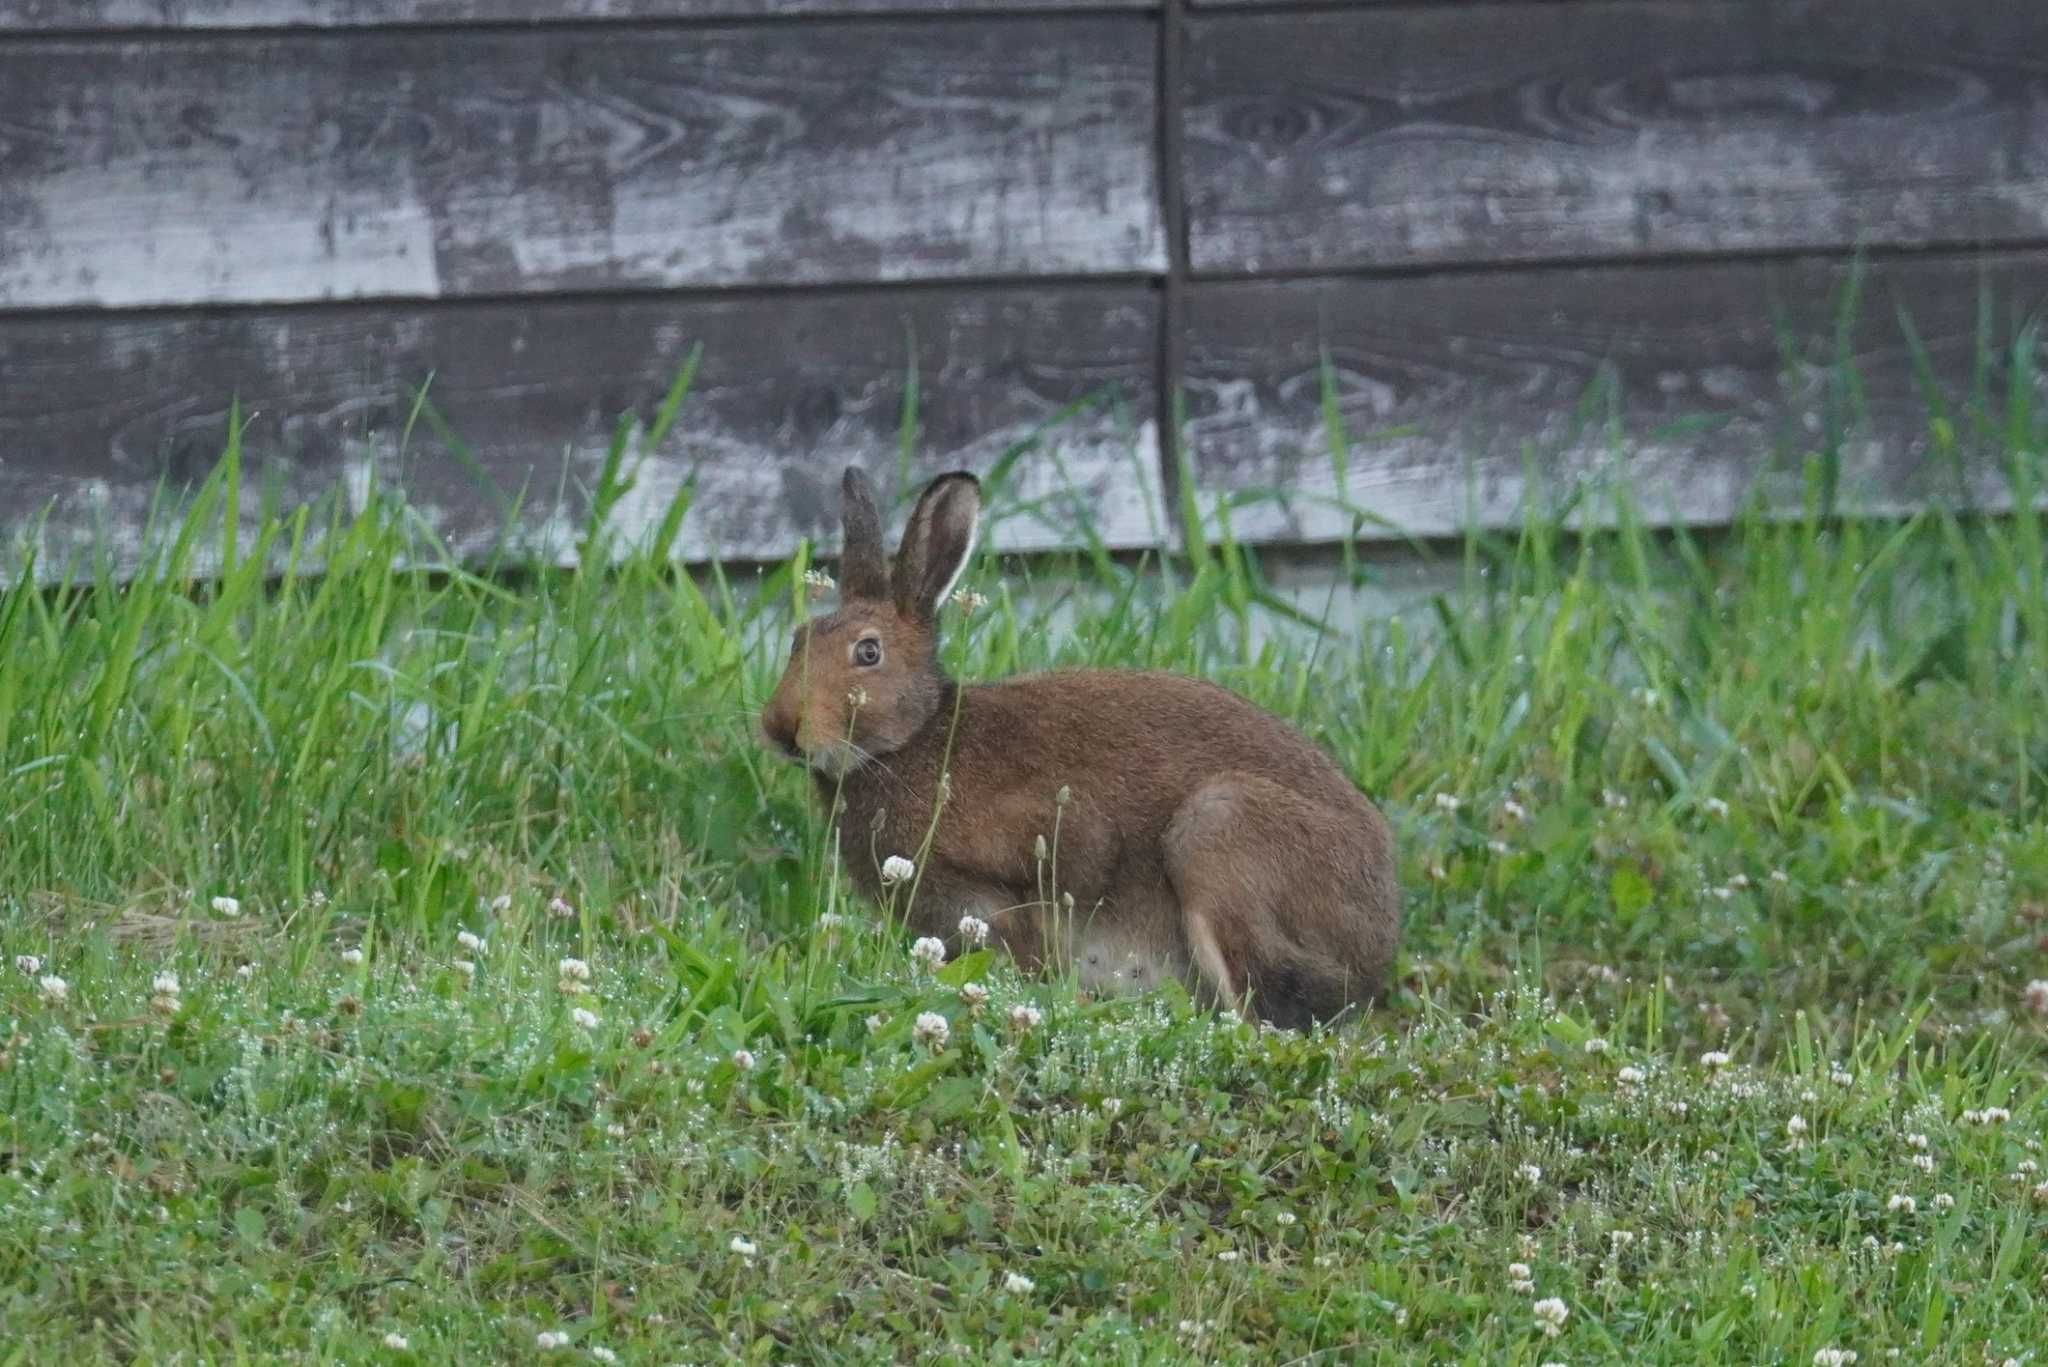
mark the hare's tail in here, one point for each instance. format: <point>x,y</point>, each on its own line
<point>1284,918</point>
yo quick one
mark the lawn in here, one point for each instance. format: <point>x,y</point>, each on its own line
<point>403,963</point>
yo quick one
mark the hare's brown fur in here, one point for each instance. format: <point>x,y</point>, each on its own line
<point>1202,839</point>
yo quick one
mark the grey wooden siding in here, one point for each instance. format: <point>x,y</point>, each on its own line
<point>45,16</point>
<point>1529,237</point>
<point>262,170</point>
<point>1696,382</point>
<point>788,390</point>
<point>1521,132</point>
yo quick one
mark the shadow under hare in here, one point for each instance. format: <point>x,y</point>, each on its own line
<point>1199,837</point>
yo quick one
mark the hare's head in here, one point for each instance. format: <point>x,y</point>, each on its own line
<point>861,682</point>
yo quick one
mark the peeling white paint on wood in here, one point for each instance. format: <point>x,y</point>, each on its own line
<point>449,164</point>
<point>87,15</point>
<point>790,389</point>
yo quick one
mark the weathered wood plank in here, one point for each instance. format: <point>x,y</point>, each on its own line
<point>1689,382</point>
<point>89,15</point>
<point>445,164</point>
<point>96,410</point>
<point>1387,136</point>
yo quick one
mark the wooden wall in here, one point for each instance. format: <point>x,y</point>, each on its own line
<point>1494,238</point>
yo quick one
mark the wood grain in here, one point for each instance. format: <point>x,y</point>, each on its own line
<point>86,16</point>
<point>97,410</point>
<point>1694,383</point>
<point>1397,136</point>
<point>279,169</point>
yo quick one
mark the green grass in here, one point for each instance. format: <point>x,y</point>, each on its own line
<point>1777,793</point>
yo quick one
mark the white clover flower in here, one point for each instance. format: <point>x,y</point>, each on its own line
<point>974,995</point>
<point>1902,1204</point>
<point>743,1060</point>
<point>832,920</point>
<point>2036,996</point>
<point>1529,1173</point>
<point>465,967</point>
<point>603,1354</point>
<point>470,941</point>
<point>743,1246</point>
<point>1715,1058</point>
<point>1944,1201</point>
<point>1924,1162</point>
<point>396,1342</point>
<point>246,971</point>
<point>1017,1284</point>
<point>547,1340</point>
<point>1630,1076</point>
<point>1618,801</point>
<point>897,869</point>
<point>1596,1045</point>
<point>501,904</point>
<point>1449,802</point>
<point>1991,1115</point>
<point>1796,1126</point>
<point>973,930</point>
<point>1916,1141</point>
<point>1112,1106</point>
<point>585,1018</point>
<point>28,965</point>
<point>615,1130</point>
<point>1228,1255</point>
<point>1715,807</point>
<point>229,907</point>
<point>876,1022</point>
<point>1514,810</point>
<point>53,989</point>
<point>817,583</point>
<point>1780,876</point>
<point>1550,1316</point>
<point>1834,1357</point>
<point>968,600</point>
<point>929,952</point>
<point>1520,1271</point>
<point>1521,1279</point>
<point>352,956</point>
<point>1025,1017</point>
<point>574,970</point>
<point>166,983</point>
<point>1285,1217</point>
<point>561,911</point>
<point>933,1029</point>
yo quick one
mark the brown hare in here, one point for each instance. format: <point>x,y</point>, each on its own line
<point>1199,837</point>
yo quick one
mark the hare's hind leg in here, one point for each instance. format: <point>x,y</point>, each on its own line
<point>1266,900</point>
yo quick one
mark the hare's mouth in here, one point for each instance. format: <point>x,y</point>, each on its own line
<point>836,759</point>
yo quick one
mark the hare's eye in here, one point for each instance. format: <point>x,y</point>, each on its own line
<point>867,651</point>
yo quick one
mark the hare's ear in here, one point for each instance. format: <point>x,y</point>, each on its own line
<point>937,543</point>
<point>863,566</point>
